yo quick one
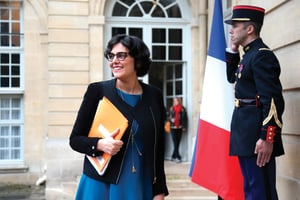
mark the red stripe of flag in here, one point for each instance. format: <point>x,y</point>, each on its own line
<point>214,168</point>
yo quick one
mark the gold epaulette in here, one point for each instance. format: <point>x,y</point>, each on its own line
<point>266,49</point>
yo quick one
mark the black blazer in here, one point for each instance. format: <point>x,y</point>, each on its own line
<point>257,75</point>
<point>150,114</point>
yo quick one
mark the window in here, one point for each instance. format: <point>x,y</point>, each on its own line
<point>174,82</point>
<point>166,44</point>
<point>11,82</point>
<point>164,38</point>
<point>10,128</point>
<point>155,8</point>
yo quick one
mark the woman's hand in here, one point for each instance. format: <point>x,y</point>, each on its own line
<point>110,145</point>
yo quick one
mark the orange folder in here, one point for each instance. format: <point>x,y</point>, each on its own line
<point>107,119</point>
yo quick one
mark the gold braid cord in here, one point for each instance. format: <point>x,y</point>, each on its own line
<point>272,112</point>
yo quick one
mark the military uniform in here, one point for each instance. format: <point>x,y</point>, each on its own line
<point>259,106</point>
<point>259,103</point>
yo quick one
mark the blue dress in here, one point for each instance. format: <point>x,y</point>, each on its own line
<point>135,182</point>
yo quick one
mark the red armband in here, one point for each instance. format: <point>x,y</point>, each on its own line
<point>270,134</point>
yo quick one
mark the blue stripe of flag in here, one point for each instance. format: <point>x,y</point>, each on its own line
<point>217,44</point>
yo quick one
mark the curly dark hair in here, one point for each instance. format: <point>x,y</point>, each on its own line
<point>137,49</point>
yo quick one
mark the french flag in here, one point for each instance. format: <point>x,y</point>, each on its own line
<point>212,166</point>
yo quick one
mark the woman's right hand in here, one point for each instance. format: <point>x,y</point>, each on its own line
<point>110,145</point>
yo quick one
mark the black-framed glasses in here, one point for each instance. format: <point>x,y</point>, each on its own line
<point>120,56</point>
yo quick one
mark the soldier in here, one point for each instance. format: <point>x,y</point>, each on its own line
<point>257,117</point>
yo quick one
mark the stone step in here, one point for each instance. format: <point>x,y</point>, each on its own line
<point>181,187</point>
<point>185,189</point>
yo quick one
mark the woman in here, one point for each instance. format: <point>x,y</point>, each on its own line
<point>178,121</point>
<point>136,169</point>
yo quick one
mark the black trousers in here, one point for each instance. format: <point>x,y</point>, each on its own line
<point>176,137</point>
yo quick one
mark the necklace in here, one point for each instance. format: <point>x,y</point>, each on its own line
<point>133,132</point>
<point>132,100</point>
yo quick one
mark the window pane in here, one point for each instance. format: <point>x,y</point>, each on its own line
<point>15,58</point>
<point>178,71</point>
<point>4,115</point>
<point>116,31</point>
<point>4,82</point>
<point>15,27</point>
<point>175,53</point>
<point>4,13</point>
<point>147,6</point>
<point>175,36</point>
<point>174,12</point>
<point>169,103</point>
<point>166,2</point>
<point>4,131</point>
<point>15,154</point>
<point>16,40</point>
<point>4,58</point>
<point>119,10</point>
<point>15,70</point>
<point>4,27</point>
<point>156,74</point>
<point>15,114</point>
<point>16,131</point>
<point>128,2</point>
<point>16,103</point>
<point>4,40</point>
<point>4,154</point>
<point>15,14</point>
<point>15,142</point>
<point>169,73</point>
<point>169,88</point>
<point>178,87</point>
<point>15,82</point>
<point>158,35</point>
<point>4,142</point>
<point>4,103</point>
<point>159,52</point>
<point>4,70</point>
<point>136,32</point>
<point>158,12</point>
<point>136,12</point>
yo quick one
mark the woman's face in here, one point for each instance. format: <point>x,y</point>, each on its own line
<point>175,101</point>
<point>122,64</point>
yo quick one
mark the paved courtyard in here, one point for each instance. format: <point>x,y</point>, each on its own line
<point>178,180</point>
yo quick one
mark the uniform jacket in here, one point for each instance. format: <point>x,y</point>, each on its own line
<point>149,113</point>
<point>256,76</point>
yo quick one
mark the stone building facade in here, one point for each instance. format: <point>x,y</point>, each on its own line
<point>61,51</point>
